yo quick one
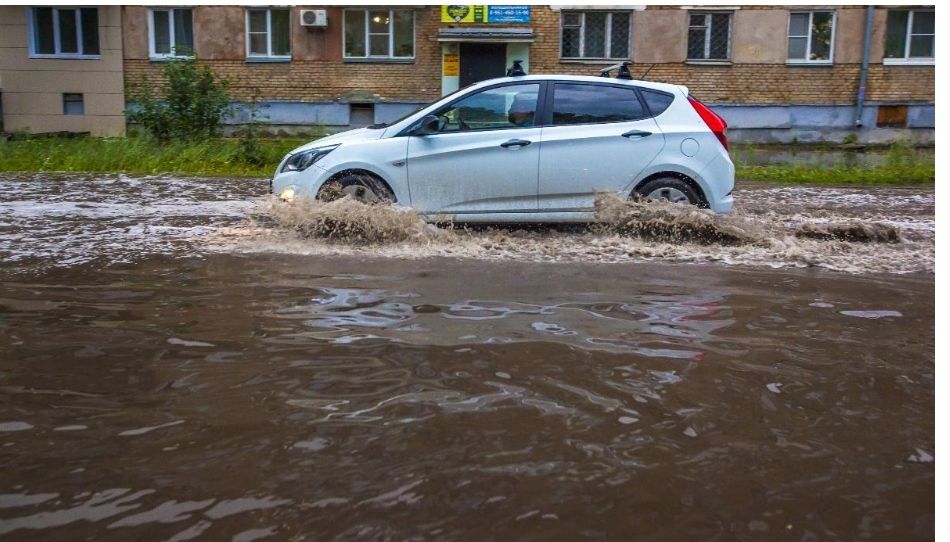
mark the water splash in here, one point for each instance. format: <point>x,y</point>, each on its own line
<point>842,230</point>
<point>348,221</point>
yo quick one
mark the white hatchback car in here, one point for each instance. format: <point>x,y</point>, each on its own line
<point>535,148</point>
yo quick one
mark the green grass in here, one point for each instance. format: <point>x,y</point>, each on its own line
<point>909,174</point>
<point>214,158</point>
<point>901,165</point>
<point>224,157</point>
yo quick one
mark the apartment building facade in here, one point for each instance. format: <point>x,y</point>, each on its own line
<point>61,69</point>
<point>775,73</point>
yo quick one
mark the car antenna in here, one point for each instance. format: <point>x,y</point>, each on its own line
<point>623,70</point>
<point>516,70</point>
<point>644,76</point>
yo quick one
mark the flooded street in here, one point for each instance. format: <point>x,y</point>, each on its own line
<point>183,361</point>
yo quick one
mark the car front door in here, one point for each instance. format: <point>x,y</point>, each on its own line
<point>484,159</point>
<point>597,138</point>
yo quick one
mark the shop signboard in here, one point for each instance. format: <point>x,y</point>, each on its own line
<point>503,14</point>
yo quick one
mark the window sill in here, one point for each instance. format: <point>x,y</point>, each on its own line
<point>700,62</point>
<point>604,61</point>
<point>267,59</point>
<point>169,58</point>
<point>799,63</point>
<point>909,62</point>
<point>67,57</point>
<point>378,60</point>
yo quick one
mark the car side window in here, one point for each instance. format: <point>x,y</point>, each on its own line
<point>656,100</point>
<point>579,103</point>
<point>511,106</point>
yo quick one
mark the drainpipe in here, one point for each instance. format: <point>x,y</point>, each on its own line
<point>865,57</point>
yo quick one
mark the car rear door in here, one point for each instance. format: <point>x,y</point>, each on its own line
<point>485,158</point>
<point>596,138</point>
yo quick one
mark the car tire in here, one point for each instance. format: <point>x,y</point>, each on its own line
<point>670,189</point>
<point>360,186</point>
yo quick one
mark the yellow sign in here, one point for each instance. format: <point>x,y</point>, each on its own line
<point>450,65</point>
<point>463,14</point>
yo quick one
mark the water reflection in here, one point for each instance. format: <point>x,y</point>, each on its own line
<point>238,397</point>
<point>641,325</point>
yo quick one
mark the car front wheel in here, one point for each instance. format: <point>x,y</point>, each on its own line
<point>359,186</point>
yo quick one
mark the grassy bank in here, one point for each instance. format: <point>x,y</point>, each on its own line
<point>225,157</point>
<point>213,158</point>
<point>893,175</point>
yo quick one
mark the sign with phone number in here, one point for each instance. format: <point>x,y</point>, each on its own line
<point>486,14</point>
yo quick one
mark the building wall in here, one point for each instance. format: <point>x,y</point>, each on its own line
<point>32,88</point>
<point>317,71</point>
<point>317,86</point>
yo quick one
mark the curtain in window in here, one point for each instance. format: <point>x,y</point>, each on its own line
<point>163,45</point>
<point>402,33</point>
<point>68,33</point>
<point>280,31</point>
<point>90,30</point>
<point>896,33</point>
<point>184,34</point>
<point>355,34</point>
<point>43,31</point>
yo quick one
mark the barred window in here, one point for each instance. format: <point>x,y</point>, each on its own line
<point>910,34</point>
<point>595,34</point>
<point>709,36</point>
<point>811,36</point>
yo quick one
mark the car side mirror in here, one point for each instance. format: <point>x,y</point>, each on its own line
<point>430,124</point>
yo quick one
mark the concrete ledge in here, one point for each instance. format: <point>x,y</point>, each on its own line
<point>921,116</point>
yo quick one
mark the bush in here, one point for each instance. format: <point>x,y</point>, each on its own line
<point>251,151</point>
<point>190,104</point>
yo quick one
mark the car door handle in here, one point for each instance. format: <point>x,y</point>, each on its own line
<point>636,133</point>
<point>515,143</point>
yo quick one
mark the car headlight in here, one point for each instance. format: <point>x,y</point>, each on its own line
<point>287,194</point>
<point>303,160</point>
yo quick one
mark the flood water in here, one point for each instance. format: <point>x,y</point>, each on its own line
<point>183,361</point>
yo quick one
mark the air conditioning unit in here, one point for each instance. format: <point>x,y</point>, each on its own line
<point>313,17</point>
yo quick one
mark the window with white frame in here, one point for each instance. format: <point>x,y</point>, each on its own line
<point>910,35</point>
<point>379,33</point>
<point>595,34</point>
<point>709,36</point>
<point>268,33</point>
<point>811,36</point>
<point>64,32</point>
<point>170,33</point>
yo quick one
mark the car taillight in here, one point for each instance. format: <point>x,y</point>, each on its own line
<point>716,123</point>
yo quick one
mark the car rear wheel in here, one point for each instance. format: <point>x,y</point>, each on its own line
<point>669,189</point>
<point>359,186</point>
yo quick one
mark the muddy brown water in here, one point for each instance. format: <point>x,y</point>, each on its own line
<point>176,365</point>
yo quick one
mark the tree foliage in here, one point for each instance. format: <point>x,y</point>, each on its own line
<point>189,105</point>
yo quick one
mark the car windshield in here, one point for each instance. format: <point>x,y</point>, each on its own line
<point>380,125</point>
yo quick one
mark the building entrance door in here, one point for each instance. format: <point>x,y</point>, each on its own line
<point>480,61</point>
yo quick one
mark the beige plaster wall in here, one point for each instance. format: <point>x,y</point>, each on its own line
<point>32,88</point>
<point>759,36</point>
<point>659,35</point>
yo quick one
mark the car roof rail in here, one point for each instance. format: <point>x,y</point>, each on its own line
<point>623,70</point>
<point>516,70</point>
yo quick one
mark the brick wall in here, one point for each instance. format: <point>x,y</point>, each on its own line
<point>330,78</point>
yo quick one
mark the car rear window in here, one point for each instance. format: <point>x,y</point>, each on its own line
<point>656,100</point>
<point>578,103</point>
